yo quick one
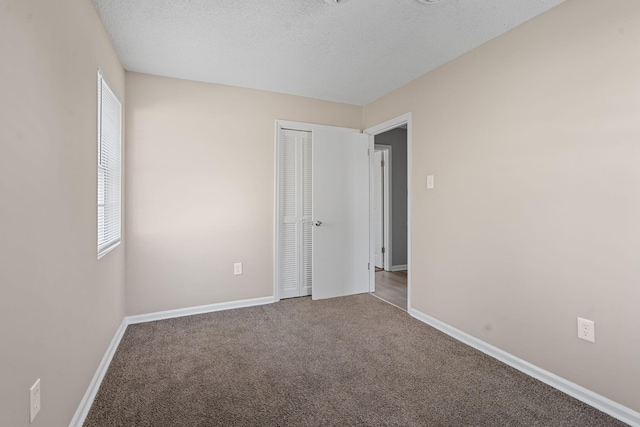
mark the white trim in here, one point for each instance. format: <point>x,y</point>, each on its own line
<point>402,267</point>
<point>387,202</point>
<point>201,309</point>
<point>372,132</point>
<point>101,74</point>
<point>94,386</point>
<point>372,231</point>
<point>599,402</point>
<point>110,248</point>
<point>390,124</point>
<point>285,124</point>
<point>276,207</point>
<point>409,202</point>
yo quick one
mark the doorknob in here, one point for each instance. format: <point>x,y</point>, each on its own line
<point>317,223</point>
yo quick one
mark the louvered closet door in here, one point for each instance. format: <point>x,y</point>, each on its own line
<point>295,213</point>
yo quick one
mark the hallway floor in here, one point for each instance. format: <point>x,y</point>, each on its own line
<point>391,286</point>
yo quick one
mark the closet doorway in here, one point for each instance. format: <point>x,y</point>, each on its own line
<point>322,211</point>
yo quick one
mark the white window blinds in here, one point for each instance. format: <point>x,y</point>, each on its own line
<point>109,159</point>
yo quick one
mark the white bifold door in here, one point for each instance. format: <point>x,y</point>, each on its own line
<point>323,213</point>
<point>295,208</point>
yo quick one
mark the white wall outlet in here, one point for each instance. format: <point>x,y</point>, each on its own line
<point>430,182</point>
<point>34,392</point>
<point>586,330</point>
<point>237,268</point>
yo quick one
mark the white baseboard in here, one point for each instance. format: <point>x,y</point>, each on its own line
<point>90,394</point>
<point>600,402</point>
<point>399,267</point>
<point>201,309</point>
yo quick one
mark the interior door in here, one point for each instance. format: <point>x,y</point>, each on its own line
<point>378,206</point>
<point>340,213</point>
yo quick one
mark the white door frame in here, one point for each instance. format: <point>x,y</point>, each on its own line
<point>372,132</point>
<point>279,125</point>
<point>388,202</point>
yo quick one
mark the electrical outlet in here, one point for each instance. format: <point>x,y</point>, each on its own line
<point>34,393</point>
<point>237,268</point>
<point>586,330</point>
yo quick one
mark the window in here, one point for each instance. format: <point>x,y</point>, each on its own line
<point>109,147</point>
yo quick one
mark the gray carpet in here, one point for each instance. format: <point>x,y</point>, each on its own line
<point>352,361</point>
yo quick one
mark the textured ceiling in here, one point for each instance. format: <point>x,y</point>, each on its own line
<point>354,52</point>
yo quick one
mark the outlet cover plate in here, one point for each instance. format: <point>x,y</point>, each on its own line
<point>586,330</point>
<point>237,268</point>
<point>34,407</point>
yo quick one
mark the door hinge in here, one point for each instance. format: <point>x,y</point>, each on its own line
<point>384,250</point>
<point>368,266</point>
<point>382,163</point>
<point>368,151</point>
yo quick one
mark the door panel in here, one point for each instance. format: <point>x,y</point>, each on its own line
<point>378,206</point>
<point>341,204</point>
<point>294,214</point>
<point>306,260</point>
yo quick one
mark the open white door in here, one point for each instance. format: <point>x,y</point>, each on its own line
<point>378,207</point>
<point>341,213</point>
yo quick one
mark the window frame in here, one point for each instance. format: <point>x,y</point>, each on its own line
<point>108,170</point>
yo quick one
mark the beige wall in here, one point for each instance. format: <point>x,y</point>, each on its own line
<point>534,141</point>
<point>200,188</point>
<point>59,306</point>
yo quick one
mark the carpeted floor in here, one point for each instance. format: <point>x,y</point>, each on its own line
<point>352,361</point>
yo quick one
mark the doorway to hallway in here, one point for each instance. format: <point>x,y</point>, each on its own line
<point>390,232</point>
